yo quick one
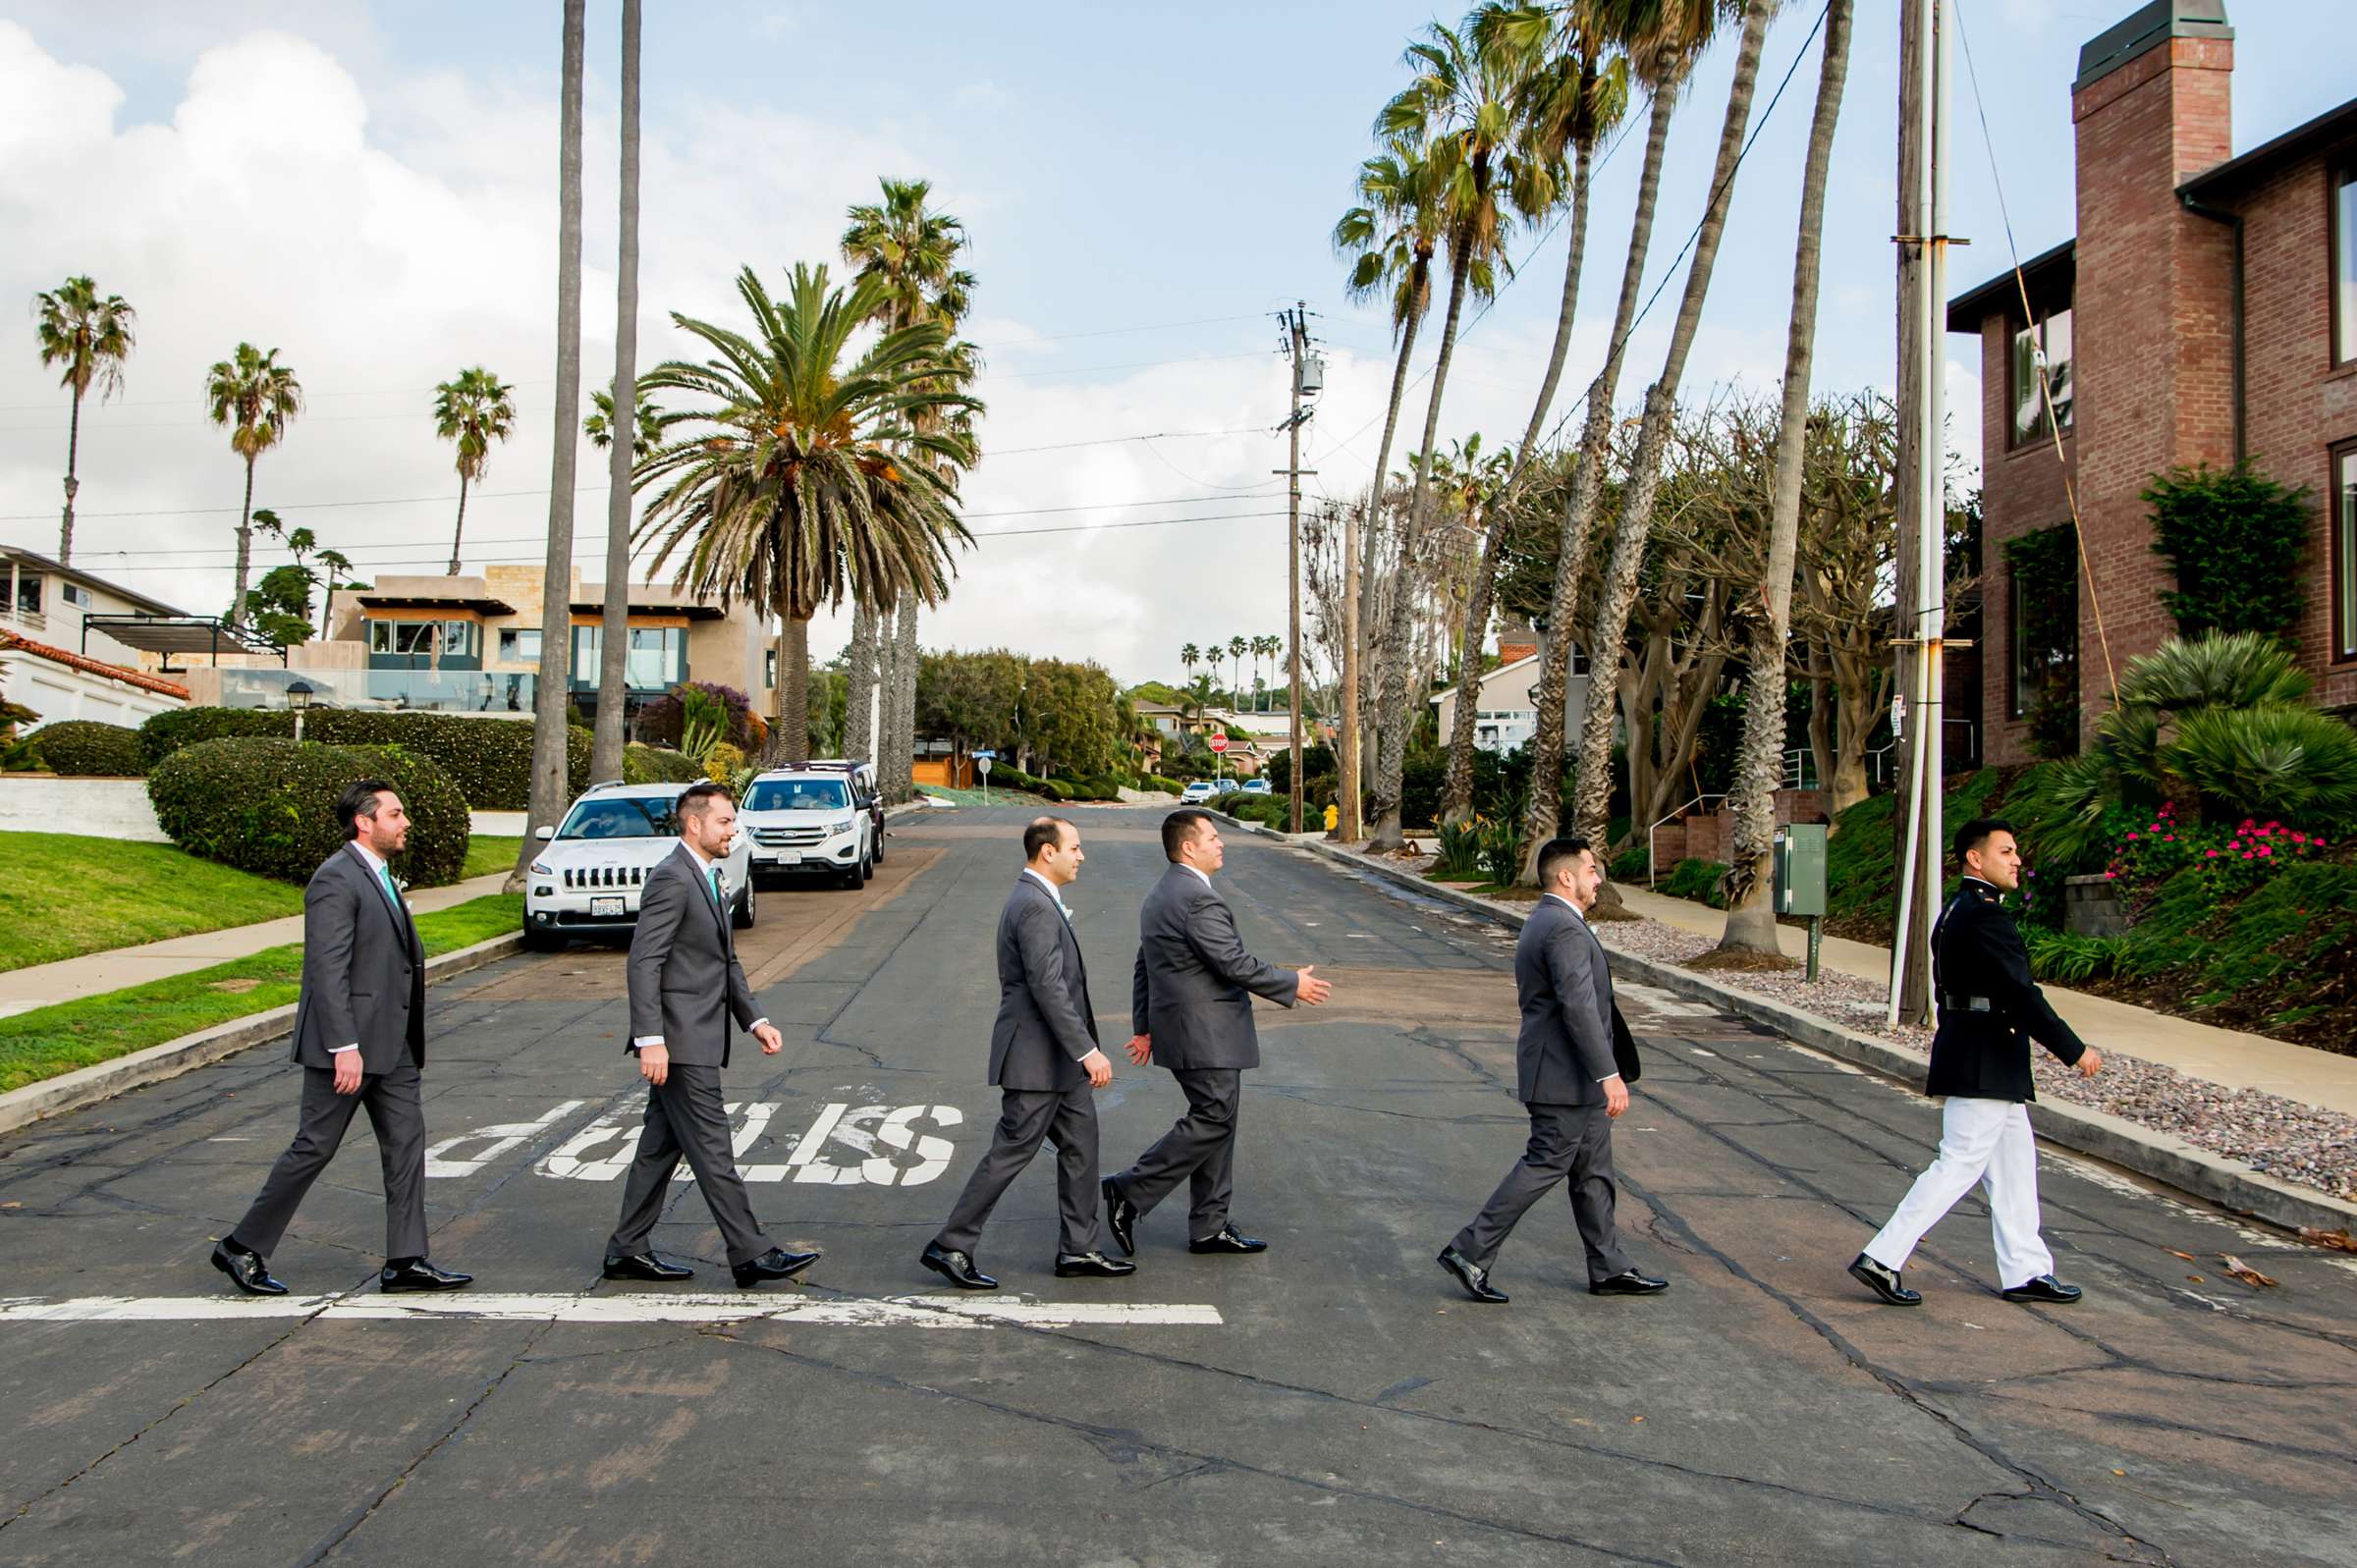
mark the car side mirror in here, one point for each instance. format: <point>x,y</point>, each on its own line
<point>544,832</point>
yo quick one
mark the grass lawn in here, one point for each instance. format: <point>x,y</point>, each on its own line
<point>973,797</point>
<point>62,895</point>
<point>48,1041</point>
<point>487,852</point>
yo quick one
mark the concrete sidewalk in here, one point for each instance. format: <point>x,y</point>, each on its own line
<point>40,985</point>
<point>2226,1056</point>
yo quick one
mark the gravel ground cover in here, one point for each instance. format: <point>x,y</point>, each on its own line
<point>2282,1138</point>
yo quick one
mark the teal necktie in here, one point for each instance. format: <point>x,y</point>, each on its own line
<point>384,880</point>
<point>712,880</point>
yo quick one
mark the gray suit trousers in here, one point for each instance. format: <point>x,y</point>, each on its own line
<point>1199,1150</point>
<point>685,1116</point>
<point>1026,1117</point>
<point>1566,1141</point>
<point>399,1118</point>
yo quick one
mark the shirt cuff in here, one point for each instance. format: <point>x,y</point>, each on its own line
<point>643,1040</point>
<point>1610,1077</point>
<point>338,1051</point>
<point>755,1024</point>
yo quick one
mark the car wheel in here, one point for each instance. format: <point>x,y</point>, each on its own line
<point>742,917</point>
<point>867,867</point>
<point>542,940</point>
<point>877,855</point>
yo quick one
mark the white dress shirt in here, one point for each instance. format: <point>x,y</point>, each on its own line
<point>704,865</point>
<point>1054,893</point>
<point>1198,870</point>
<point>1582,916</point>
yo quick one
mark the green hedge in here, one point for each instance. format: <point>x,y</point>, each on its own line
<point>645,763</point>
<point>490,759</point>
<point>92,750</point>
<point>268,806</point>
<point>1703,881</point>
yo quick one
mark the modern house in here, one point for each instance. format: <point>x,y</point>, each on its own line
<point>472,644</point>
<point>58,650</point>
<point>2205,311</point>
<point>1507,703</point>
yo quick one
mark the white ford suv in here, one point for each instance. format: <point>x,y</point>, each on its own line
<point>587,875</point>
<point>806,819</point>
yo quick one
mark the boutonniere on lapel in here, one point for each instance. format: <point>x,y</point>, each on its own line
<point>401,884</point>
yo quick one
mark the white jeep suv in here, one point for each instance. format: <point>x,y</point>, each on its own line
<point>807,819</point>
<point>587,875</point>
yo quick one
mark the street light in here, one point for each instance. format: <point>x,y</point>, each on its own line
<point>299,699</point>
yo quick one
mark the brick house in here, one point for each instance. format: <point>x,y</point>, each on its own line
<point>2206,310</point>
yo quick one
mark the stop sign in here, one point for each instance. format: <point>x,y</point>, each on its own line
<point>1219,742</point>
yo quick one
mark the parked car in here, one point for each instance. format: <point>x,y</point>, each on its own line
<point>1256,786</point>
<point>1201,793</point>
<point>806,822</point>
<point>586,875</point>
<point>864,795</point>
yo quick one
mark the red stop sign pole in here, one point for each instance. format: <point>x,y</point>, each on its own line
<point>1219,743</point>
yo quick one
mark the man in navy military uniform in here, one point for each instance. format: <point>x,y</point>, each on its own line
<point>1990,1010</point>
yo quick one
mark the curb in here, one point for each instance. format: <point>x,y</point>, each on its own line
<point>87,1086</point>
<point>2158,1156</point>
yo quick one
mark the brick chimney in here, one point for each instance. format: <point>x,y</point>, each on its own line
<point>2153,307</point>
<point>1515,642</point>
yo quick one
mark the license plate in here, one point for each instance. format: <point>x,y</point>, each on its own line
<point>605,908</point>
<point>786,857</point>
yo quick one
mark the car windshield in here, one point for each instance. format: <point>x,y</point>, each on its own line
<point>798,794</point>
<point>621,817</point>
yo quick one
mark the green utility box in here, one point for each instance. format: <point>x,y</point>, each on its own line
<point>1800,869</point>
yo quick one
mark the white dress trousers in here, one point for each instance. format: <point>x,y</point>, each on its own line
<point>1984,1141</point>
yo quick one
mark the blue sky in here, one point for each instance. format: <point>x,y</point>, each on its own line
<point>371,188</point>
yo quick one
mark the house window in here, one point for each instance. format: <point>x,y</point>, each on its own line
<point>2344,550</point>
<point>74,593</point>
<point>28,596</point>
<point>769,669</point>
<point>2052,336</point>
<point>657,657</point>
<point>415,638</point>
<point>457,639</point>
<point>520,647</point>
<point>2344,265</point>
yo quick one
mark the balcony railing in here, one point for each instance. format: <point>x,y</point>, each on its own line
<point>493,693</point>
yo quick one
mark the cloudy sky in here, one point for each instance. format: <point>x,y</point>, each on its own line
<point>371,190</point>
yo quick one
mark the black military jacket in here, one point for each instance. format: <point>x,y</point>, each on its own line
<point>1989,1009</point>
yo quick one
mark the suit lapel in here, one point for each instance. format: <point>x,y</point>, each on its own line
<point>399,919</point>
<point>703,893</point>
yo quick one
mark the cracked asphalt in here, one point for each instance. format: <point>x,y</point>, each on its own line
<point>1350,1406</point>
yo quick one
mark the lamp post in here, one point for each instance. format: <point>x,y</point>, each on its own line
<point>299,701</point>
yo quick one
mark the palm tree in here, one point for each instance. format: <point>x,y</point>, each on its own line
<point>471,410</point>
<point>1468,481</point>
<point>337,574</point>
<point>1572,88</point>
<point>1662,39</point>
<point>253,396</point>
<point>651,420</point>
<point>809,477</point>
<point>90,335</point>
<point>1191,656</point>
<point>1750,908</point>
<point>552,694</point>
<point>606,739</point>
<point>1458,113</point>
<point>1236,649</point>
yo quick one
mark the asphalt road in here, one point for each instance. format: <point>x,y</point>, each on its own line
<point>1336,1400</point>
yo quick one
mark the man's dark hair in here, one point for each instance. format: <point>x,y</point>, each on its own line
<point>1181,827</point>
<point>1975,834</point>
<point>691,801</point>
<point>1045,833</point>
<point>1554,854</point>
<point>358,801</point>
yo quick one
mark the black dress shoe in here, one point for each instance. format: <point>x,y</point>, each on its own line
<point>1092,1265</point>
<point>1228,1239</point>
<point>955,1267</point>
<point>419,1274</point>
<point>775,1263</point>
<point>1883,1281</point>
<point>1472,1275</point>
<point>647,1266</point>
<point>1628,1282</point>
<point>1121,1218</point>
<point>246,1270</point>
<point>2046,1288</point>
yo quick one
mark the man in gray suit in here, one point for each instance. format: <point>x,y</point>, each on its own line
<point>1045,1059</point>
<point>359,1033</point>
<point>685,988</point>
<point>1190,1006</point>
<point>1573,1063</point>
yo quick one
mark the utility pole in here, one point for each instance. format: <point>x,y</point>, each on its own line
<point>1308,380</point>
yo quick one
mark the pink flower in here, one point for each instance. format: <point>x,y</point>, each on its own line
<point>2299,837</point>
<point>2131,837</point>
<point>2109,875</point>
<point>2265,854</point>
<point>2246,854</point>
<point>2208,854</point>
<point>2169,838</point>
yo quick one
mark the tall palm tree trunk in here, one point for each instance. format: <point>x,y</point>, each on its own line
<point>1593,780</point>
<point>1392,699</point>
<point>1543,809</point>
<point>903,737</point>
<point>65,533</point>
<point>1456,796</point>
<point>1371,642</point>
<point>792,738</point>
<point>459,530</point>
<point>859,685</point>
<point>552,696</point>
<point>237,604</point>
<point>1750,906</point>
<point>613,673</point>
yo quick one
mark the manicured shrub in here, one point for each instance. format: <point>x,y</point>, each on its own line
<point>1155,780</point>
<point>489,759</point>
<point>268,806</point>
<point>1704,880</point>
<point>89,749</point>
<point>645,763</point>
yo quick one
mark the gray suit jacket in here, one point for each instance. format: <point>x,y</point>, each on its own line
<point>364,973</point>
<point>1573,1037</point>
<point>1045,1023</point>
<point>685,984</point>
<point>1194,985</point>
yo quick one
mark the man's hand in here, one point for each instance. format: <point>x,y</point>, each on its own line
<point>1099,1068</point>
<point>1312,990</point>
<point>654,1065</point>
<point>772,1042</point>
<point>2091,1063</point>
<point>1141,1048</point>
<point>1615,1096</point>
<point>347,1072</point>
